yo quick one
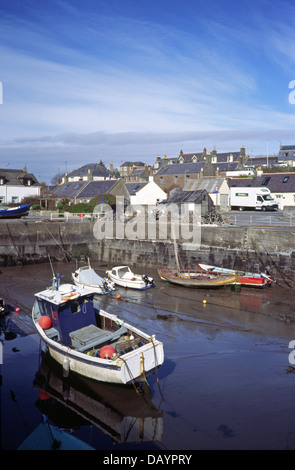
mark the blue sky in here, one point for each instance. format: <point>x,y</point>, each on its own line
<point>118,80</point>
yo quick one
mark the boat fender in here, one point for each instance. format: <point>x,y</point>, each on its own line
<point>45,322</point>
<point>107,352</point>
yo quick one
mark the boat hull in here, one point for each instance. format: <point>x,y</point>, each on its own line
<point>195,279</point>
<point>245,279</point>
<point>139,285</point>
<point>15,212</point>
<point>130,367</point>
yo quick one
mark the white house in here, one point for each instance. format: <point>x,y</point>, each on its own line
<point>17,184</point>
<point>148,193</point>
<point>88,172</point>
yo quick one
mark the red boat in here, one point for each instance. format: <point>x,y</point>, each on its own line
<point>245,278</point>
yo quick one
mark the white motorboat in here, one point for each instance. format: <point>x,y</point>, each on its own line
<point>90,341</point>
<point>87,277</point>
<point>124,277</point>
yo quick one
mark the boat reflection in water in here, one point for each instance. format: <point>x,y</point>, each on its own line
<point>123,413</point>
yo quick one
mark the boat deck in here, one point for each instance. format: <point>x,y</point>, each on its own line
<point>91,336</point>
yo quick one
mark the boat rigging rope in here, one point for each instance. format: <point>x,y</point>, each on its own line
<point>131,378</point>
<point>68,257</point>
<point>156,368</point>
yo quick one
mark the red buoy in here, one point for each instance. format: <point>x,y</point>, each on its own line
<point>43,395</point>
<point>45,322</point>
<point>106,352</point>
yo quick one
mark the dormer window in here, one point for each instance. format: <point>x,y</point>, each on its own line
<point>2,180</point>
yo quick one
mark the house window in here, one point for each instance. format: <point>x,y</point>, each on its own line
<point>14,199</point>
<point>266,180</point>
<point>176,179</point>
<point>1,180</point>
<point>2,199</point>
<point>161,180</point>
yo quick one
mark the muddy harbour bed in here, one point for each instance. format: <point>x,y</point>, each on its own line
<point>226,382</point>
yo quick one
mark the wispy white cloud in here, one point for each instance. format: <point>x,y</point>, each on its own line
<point>86,84</point>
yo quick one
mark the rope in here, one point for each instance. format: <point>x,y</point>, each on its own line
<point>62,248</point>
<point>156,369</point>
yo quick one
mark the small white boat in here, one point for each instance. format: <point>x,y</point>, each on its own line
<point>87,277</point>
<point>124,277</point>
<point>90,341</point>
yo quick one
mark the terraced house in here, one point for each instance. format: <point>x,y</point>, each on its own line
<point>175,173</point>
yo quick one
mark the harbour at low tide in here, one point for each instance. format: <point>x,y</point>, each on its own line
<point>226,382</point>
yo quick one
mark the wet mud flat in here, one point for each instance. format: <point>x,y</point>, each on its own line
<point>226,382</point>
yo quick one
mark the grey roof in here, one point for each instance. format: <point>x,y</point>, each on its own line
<point>94,188</point>
<point>69,190</point>
<point>231,166</point>
<point>275,182</point>
<point>133,164</point>
<point>16,177</point>
<point>95,169</point>
<point>287,152</point>
<point>262,160</point>
<point>223,157</point>
<point>187,157</point>
<point>181,168</point>
<point>133,188</point>
<point>180,196</point>
<point>210,184</point>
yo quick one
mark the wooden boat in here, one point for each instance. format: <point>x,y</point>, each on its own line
<point>87,277</point>
<point>198,279</point>
<point>245,278</point>
<point>89,341</point>
<point>14,212</point>
<point>124,277</point>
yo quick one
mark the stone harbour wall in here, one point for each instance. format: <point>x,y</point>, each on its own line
<point>250,248</point>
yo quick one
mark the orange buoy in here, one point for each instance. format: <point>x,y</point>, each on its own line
<point>45,322</point>
<point>118,297</point>
<point>106,352</point>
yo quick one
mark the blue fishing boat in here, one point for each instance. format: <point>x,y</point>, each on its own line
<point>90,341</point>
<point>14,212</point>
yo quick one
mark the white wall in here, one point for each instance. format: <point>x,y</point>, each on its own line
<point>150,194</point>
<point>19,192</point>
<point>284,199</point>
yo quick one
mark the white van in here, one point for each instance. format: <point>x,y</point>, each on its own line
<point>252,198</point>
